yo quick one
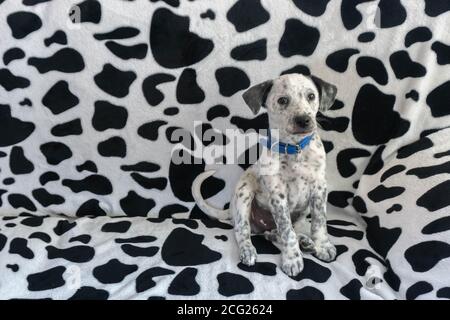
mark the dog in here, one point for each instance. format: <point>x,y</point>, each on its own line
<point>278,203</point>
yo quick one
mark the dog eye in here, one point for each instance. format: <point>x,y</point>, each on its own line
<point>283,101</point>
<point>311,97</point>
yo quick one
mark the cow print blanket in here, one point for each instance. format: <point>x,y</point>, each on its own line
<point>92,204</point>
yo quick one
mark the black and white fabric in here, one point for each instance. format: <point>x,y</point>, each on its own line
<point>93,205</point>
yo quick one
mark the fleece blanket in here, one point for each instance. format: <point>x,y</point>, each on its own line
<point>100,99</point>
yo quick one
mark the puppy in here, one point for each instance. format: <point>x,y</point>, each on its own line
<point>276,194</point>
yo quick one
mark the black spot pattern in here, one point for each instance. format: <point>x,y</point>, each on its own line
<point>172,44</point>
<point>247,14</point>
<point>298,39</point>
<point>231,284</point>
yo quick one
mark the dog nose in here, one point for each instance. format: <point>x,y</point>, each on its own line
<point>303,121</point>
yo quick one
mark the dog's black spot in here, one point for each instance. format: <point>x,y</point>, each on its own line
<point>184,248</point>
<point>184,284</point>
<point>172,44</point>
<point>22,23</point>
<point>231,284</point>
<point>46,280</point>
<point>18,163</point>
<point>115,81</point>
<point>59,98</point>
<point>247,14</point>
<point>95,183</point>
<point>66,60</point>
<point>298,39</point>
<point>404,67</point>
<point>419,34</point>
<point>134,205</point>
<point>373,107</point>
<point>113,271</point>
<point>339,60</point>
<point>437,100</point>
<point>256,50</point>
<point>149,87</point>
<point>109,116</point>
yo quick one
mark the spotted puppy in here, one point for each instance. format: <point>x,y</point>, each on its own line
<point>275,195</point>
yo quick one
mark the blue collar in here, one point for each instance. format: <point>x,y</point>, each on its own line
<point>287,148</point>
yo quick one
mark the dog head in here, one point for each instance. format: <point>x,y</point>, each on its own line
<point>292,103</point>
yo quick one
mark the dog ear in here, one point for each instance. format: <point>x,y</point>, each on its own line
<point>327,93</point>
<point>256,96</point>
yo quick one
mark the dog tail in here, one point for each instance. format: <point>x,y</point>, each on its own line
<point>211,211</point>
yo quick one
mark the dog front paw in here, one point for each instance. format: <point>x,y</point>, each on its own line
<point>325,251</point>
<point>248,254</point>
<point>292,265</point>
<point>306,243</point>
